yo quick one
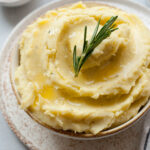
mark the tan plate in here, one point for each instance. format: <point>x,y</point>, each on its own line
<point>30,132</point>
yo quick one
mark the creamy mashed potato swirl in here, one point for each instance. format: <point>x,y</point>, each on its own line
<point>113,83</point>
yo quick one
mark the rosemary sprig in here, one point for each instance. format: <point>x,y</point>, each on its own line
<point>88,47</point>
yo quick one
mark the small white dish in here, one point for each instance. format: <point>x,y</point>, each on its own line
<point>13,3</point>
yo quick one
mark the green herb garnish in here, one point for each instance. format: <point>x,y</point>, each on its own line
<point>88,47</point>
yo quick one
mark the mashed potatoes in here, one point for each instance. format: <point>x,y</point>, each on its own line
<point>113,83</point>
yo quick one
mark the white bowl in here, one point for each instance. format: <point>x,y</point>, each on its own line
<point>13,3</point>
<point>14,64</point>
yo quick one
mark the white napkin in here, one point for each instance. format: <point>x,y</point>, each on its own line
<point>145,136</point>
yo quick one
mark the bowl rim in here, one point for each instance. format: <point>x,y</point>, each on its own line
<point>102,134</point>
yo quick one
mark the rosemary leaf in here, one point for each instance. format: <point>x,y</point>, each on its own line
<point>96,39</point>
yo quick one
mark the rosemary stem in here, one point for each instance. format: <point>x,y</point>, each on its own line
<point>96,39</point>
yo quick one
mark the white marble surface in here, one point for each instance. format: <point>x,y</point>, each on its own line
<point>9,17</point>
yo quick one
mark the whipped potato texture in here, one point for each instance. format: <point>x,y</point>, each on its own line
<point>113,84</point>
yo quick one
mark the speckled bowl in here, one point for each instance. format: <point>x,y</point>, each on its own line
<point>17,118</point>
